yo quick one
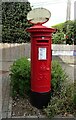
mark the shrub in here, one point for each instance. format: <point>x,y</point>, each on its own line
<point>20,77</point>
<point>58,77</point>
<point>59,26</point>
<point>75,94</point>
<point>14,22</point>
<point>63,99</point>
<point>69,29</point>
<point>58,38</point>
<point>61,104</point>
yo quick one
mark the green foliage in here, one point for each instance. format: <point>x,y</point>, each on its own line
<point>74,32</point>
<point>59,26</point>
<point>75,93</point>
<point>62,104</point>
<point>20,77</point>
<point>58,38</point>
<point>69,29</point>
<point>58,77</point>
<point>14,22</point>
<point>62,99</point>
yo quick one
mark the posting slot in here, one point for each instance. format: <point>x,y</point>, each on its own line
<point>42,41</point>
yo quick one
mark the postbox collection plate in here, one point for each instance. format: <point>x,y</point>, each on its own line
<point>38,15</point>
<point>41,53</point>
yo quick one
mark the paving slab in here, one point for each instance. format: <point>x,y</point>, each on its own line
<point>4,94</point>
<point>68,68</point>
<point>0,96</point>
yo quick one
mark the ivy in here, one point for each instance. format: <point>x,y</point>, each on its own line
<point>14,22</point>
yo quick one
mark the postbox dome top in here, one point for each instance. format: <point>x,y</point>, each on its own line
<point>38,16</point>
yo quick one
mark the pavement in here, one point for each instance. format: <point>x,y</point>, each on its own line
<point>5,101</point>
<point>70,69</point>
<point>0,96</point>
<point>4,95</point>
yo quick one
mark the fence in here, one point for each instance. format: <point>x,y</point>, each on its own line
<point>11,52</point>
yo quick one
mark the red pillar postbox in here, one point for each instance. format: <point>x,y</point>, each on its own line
<point>41,56</point>
<point>40,64</point>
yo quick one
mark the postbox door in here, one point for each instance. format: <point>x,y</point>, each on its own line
<point>41,69</point>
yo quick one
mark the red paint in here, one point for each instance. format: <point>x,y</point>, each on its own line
<point>40,69</point>
<point>67,37</point>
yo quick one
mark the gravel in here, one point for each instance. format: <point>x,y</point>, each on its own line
<point>23,107</point>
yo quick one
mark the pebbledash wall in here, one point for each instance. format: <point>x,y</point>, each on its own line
<point>66,52</point>
<point>12,52</point>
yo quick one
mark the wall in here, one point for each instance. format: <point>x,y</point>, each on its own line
<point>75,10</point>
<point>66,52</point>
<point>11,52</point>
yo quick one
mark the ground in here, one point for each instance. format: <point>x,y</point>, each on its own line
<point>23,107</point>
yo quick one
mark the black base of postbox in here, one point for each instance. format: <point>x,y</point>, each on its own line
<point>40,100</point>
